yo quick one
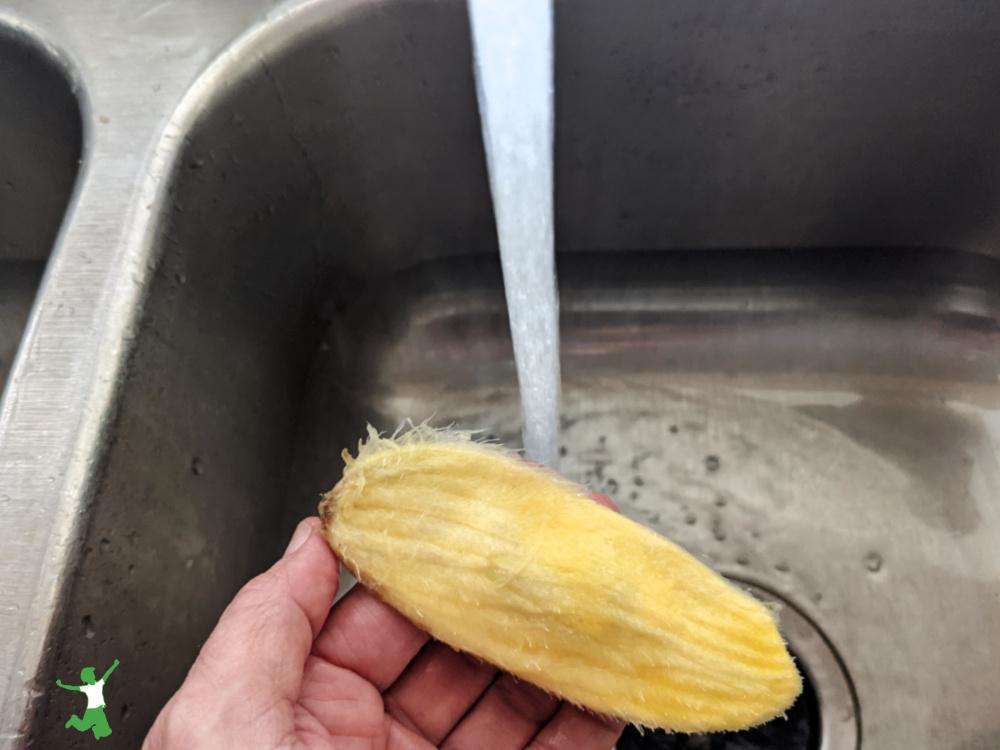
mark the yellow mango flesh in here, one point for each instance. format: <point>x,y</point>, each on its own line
<point>509,562</point>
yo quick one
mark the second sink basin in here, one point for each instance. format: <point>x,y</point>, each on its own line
<point>40,146</point>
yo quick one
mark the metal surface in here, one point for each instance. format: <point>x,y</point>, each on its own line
<point>823,426</point>
<point>128,64</point>
<point>263,255</point>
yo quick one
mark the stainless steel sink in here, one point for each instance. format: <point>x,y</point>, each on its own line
<point>778,230</point>
<point>40,145</point>
<point>819,425</point>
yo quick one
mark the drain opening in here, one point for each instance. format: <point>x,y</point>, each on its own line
<point>801,730</point>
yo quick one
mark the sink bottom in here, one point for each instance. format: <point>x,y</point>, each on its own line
<point>827,437</point>
<point>821,425</point>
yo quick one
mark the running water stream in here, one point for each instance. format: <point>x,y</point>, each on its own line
<point>512,44</point>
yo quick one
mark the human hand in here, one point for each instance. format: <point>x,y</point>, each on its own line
<point>283,670</point>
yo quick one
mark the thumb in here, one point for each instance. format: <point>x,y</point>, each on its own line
<point>259,647</point>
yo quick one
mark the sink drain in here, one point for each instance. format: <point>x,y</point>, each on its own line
<point>825,716</point>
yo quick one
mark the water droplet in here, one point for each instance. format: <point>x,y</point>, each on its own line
<point>712,463</point>
<point>131,568</point>
<point>690,519</point>
<point>781,567</point>
<point>717,530</point>
<point>639,481</point>
<point>754,533</point>
<point>743,560</point>
<point>873,561</point>
<point>197,466</point>
<point>105,544</point>
<point>674,429</point>
<point>817,597</point>
<point>562,450</point>
<point>126,711</point>
<point>720,502</point>
<point>633,495</point>
<point>189,563</point>
<point>88,627</point>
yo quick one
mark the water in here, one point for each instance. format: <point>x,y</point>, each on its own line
<point>512,42</point>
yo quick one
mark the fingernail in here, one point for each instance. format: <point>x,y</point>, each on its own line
<point>302,532</point>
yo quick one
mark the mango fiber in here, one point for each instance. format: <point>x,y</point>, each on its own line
<point>507,561</point>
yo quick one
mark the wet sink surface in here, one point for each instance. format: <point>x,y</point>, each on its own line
<point>799,390</point>
<point>834,443</point>
<point>857,487</point>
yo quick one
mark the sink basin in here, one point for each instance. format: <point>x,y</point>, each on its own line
<point>40,143</point>
<point>779,283</point>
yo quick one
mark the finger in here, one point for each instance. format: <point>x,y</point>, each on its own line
<point>370,638</point>
<point>404,738</point>
<point>342,703</point>
<point>437,689</point>
<point>508,715</point>
<point>347,709</point>
<point>604,500</point>
<point>261,642</point>
<point>574,729</point>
